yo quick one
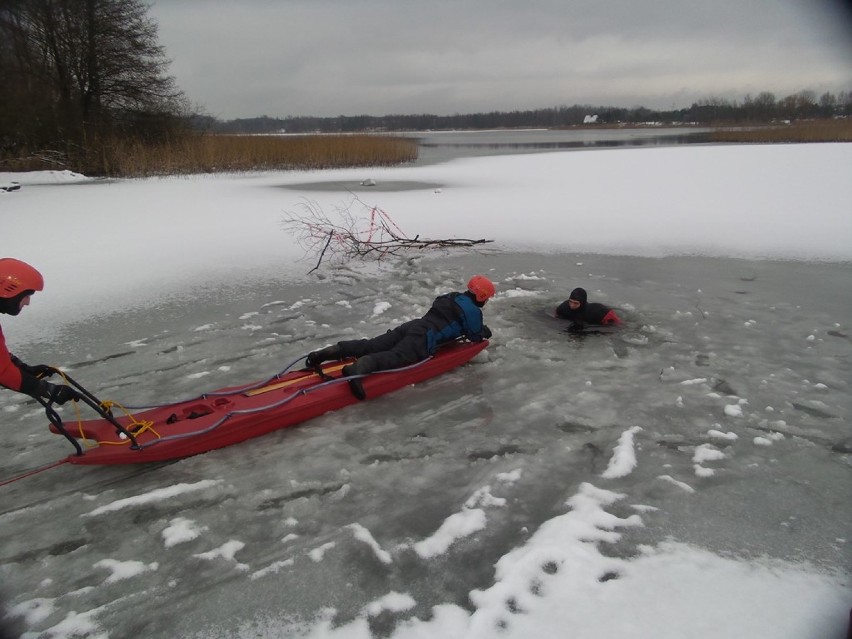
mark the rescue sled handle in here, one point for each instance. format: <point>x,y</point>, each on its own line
<point>56,420</point>
<point>94,403</point>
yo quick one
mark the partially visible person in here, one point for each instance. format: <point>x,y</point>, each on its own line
<point>452,315</point>
<point>581,312</point>
<point>18,282</point>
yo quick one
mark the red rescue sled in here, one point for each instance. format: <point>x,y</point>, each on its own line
<point>232,415</point>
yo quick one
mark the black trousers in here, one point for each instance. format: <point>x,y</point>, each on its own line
<point>401,346</point>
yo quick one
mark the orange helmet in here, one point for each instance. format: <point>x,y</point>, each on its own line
<point>17,276</point>
<point>481,287</point>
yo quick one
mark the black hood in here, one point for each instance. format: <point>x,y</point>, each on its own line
<point>579,294</point>
<point>12,305</point>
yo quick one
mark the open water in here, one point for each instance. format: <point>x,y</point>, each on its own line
<point>441,146</point>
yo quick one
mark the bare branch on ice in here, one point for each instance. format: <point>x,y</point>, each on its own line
<point>367,232</point>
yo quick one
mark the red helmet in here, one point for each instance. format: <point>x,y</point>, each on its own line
<point>481,287</point>
<point>16,277</point>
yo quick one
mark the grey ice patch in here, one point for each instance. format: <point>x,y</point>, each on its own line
<point>389,186</point>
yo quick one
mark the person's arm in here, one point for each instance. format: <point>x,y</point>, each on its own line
<point>470,319</point>
<point>577,326</point>
<point>15,376</point>
<point>10,374</point>
<point>39,370</point>
<point>474,335</point>
<point>40,389</point>
<point>563,310</point>
<point>32,386</point>
<point>611,319</point>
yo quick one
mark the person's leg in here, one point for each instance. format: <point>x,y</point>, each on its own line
<point>357,347</point>
<point>407,350</point>
<point>383,342</point>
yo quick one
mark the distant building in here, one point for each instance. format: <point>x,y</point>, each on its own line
<point>590,119</point>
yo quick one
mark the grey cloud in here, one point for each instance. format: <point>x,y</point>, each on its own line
<point>331,57</point>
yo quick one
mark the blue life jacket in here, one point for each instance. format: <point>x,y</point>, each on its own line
<point>467,322</point>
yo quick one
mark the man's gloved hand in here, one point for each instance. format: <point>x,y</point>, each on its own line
<point>40,371</point>
<point>58,393</point>
<point>486,332</point>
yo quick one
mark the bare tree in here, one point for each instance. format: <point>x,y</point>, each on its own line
<point>94,62</point>
<point>799,105</point>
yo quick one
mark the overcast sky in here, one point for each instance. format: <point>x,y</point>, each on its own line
<point>377,57</point>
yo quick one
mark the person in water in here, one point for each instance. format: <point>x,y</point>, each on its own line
<point>581,312</point>
<point>18,282</point>
<point>451,316</point>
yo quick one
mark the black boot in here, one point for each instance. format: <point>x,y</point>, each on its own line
<point>361,366</point>
<point>316,358</point>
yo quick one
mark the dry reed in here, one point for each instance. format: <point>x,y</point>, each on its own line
<point>836,130</point>
<point>229,153</point>
<point>192,153</point>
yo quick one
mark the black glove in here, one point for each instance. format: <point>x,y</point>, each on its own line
<point>40,370</point>
<point>58,393</point>
<point>486,332</point>
<point>576,327</point>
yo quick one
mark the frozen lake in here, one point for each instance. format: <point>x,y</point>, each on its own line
<point>690,475</point>
<point>703,335</point>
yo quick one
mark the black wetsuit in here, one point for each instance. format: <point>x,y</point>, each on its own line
<point>587,313</point>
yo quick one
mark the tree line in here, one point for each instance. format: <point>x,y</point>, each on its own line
<point>763,108</point>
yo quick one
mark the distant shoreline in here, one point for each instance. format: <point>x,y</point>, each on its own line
<point>196,153</point>
<point>781,132</point>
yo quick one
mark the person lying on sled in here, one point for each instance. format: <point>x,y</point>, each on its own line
<point>581,312</point>
<point>18,282</point>
<point>451,316</point>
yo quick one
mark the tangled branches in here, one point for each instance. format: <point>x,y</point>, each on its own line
<point>367,233</point>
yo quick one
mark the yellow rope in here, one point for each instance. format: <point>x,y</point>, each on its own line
<point>80,425</point>
<point>136,427</point>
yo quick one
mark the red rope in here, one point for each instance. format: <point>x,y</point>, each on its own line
<point>391,222</point>
<point>34,472</point>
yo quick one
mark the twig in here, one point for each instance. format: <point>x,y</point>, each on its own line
<point>330,235</point>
